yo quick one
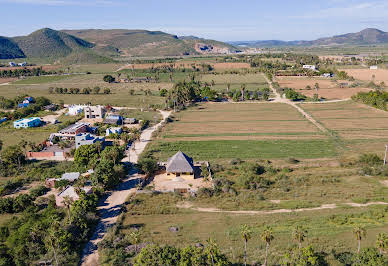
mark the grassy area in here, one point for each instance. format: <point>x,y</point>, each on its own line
<point>246,149</point>
<point>240,122</point>
<point>152,116</point>
<point>41,80</point>
<point>120,92</point>
<point>327,229</point>
<point>11,136</point>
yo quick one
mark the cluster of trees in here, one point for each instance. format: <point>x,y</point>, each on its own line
<point>377,99</point>
<point>31,109</point>
<point>293,95</point>
<point>188,92</point>
<point>44,234</point>
<point>25,72</point>
<point>95,90</point>
<point>243,94</point>
<point>21,202</point>
<point>106,164</point>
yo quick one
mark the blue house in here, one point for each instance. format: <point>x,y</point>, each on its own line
<point>27,122</point>
<point>3,120</point>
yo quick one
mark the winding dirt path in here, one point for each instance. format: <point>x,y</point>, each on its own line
<point>187,205</point>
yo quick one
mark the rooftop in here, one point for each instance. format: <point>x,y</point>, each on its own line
<point>180,163</point>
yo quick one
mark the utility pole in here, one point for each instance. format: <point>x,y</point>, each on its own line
<point>385,157</point>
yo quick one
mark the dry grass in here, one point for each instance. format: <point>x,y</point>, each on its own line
<point>189,64</point>
<point>328,89</point>
<point>381,75</point>
<point>351,120</point>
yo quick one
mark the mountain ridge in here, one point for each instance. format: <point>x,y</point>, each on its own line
<point>368,36</point>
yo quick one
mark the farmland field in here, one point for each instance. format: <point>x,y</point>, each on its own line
<point>188,64</point>
<point>224,131</point>
<point>120,92</point>
<point>351,120</point>
<point>328,89</point>
<point>380,75</point>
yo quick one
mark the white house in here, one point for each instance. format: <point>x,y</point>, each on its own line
<point>76,109</point>
<point>311,67</point>
<point>373,67</point>
<point>113,130</point>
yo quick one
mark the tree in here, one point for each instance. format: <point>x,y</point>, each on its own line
<point>109,79</point>
<point>299,235</point>
<point>67,201</point>
<point>246,235</point>
<point>148,165</point>
<point>382,242</point>
<point>114,154</point>
<point>1,145</point>
<point>359,232</point>
<point>105,174</point>
<point>316,87</point>
<point>369,257</point>
<point>13,155</point>
<point>96,90</point>
<point>135,237</point>
<point>87,155</point>
<point>303,257</point>
<point>267,237</point>
<point>106,91</point>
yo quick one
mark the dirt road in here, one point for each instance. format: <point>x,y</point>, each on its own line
<point>278,99</point>
<point>323,207</point>
<point>110,206</point>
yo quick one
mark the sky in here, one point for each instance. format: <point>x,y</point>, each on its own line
<point>222,20</point>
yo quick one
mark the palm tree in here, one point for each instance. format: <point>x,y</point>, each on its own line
<point>382,242</point>
<point>135,238</point>
<point>67,201</point>
<point>243,92</point>
<point>267,237</point>
<point>211,248</point>
<point>359,232</point>
<point>299,235</point>
<point>228,87</point>
<point>316,86</point>
<point>246,234</point>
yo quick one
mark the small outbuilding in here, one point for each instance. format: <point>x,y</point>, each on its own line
<point>180,165</point>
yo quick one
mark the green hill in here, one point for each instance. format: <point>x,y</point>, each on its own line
<point>50,43</point>
<point>9,49</point>
<point>121,42</point>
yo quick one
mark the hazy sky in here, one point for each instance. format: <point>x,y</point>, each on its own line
<point>216,19</point>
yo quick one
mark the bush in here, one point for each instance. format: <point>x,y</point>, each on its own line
<point>370,159</point>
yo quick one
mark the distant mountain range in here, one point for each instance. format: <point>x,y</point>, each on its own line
<point>365,37</point>
<point>105,45</point>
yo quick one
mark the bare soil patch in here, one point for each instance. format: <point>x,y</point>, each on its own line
<point>328,89</point>
<point>380,75</point>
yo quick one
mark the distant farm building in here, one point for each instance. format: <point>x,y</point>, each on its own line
<point>373,67</point>
<point>114,120</point>
<point>76,109</point>
<point>75,129</point>
<point>27,122</point>
<point>311,67</point>
<point>113,130</point>
<point>180,165</point>
<point>87,139</point>
<point>94,112</point>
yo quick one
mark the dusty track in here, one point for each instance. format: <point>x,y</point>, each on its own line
<point>279,99</point>
<point>110,206</point>
<point>323,207</point>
